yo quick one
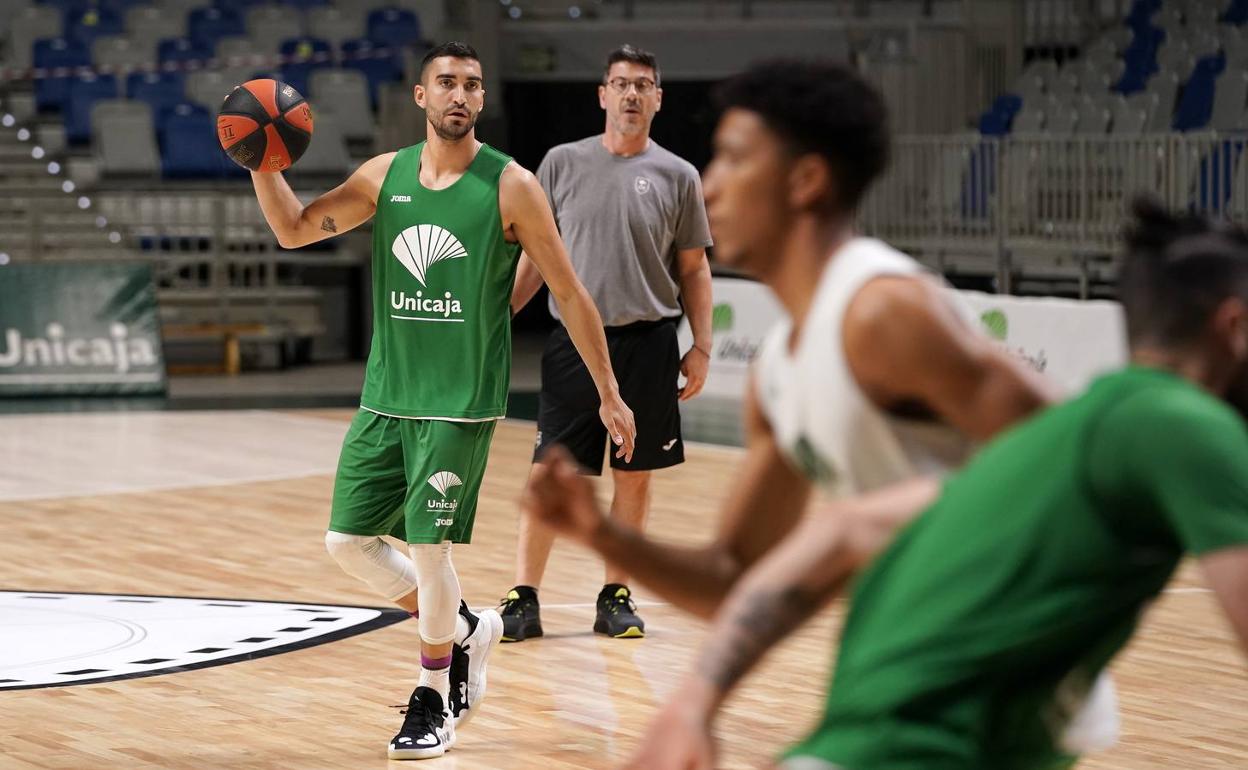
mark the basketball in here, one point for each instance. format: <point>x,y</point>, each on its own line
<point>264,125</point>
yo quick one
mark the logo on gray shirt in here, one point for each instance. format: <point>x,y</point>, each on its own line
<point>641,185</point>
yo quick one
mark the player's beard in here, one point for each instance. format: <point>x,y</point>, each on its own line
<point>449,132</point>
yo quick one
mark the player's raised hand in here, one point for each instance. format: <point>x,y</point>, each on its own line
<point>562,499</point>
<point>679,738</point>
<point>618,419</point>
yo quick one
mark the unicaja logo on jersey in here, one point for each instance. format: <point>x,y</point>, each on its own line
<point>443,481</point>
<point>419,248</point>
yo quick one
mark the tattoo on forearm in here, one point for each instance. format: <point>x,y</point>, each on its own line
<point>327,224</point>
<point>758,621</point>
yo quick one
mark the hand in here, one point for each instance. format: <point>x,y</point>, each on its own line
<point>561,498</point>
<point>695,365</point>
<point>679,738</point>
<point>618,419</point>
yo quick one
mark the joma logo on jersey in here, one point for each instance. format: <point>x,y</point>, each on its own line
<point>443,522</point>
<point>400,199</point>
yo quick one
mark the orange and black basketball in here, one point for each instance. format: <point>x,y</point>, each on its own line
<point>264,125</point>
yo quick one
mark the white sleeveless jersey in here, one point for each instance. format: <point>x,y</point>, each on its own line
<point>821,419</point>
<point>839,439</point>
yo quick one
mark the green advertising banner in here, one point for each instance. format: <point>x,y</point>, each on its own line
<point>79,328</point>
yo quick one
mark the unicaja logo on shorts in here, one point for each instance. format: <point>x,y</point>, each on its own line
<point>444,481</point>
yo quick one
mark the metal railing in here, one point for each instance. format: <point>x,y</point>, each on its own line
<point>1035,206</point>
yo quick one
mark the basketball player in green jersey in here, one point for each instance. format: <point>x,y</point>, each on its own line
<point>450,216</point>
<point>976,634</point>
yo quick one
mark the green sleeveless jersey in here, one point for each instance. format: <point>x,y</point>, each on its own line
<point>442,280</point>
<point>974,640</point>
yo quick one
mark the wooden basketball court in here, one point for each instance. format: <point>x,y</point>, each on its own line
<point>232,505</point>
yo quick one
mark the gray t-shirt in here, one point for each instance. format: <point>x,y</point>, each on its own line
<point>623,220</point>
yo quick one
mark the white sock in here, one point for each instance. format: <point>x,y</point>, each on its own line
<point>440,680</point>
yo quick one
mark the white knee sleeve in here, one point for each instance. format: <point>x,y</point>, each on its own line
<point>374,561</point>
<point>439,591</point>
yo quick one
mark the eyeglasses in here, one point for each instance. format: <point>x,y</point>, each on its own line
<point>620,85</point>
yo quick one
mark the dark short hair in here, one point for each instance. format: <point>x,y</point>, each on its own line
<point>818,107</point>
<point>636,55</point>
<point>455,49</point>
<point>1178,268</point>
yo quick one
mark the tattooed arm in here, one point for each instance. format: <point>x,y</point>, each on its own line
<point>346,206</point>
<point>782,591</point>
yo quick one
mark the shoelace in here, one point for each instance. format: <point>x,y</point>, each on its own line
<point>410,717</point>
<point>622,602</point>
<point>507,606</point>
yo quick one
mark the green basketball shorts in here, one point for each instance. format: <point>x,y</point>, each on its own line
<point>417,480</point>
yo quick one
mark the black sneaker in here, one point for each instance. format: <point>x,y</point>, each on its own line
<point>617,614</point>
<point>522,617</point>
<point>428,731</point>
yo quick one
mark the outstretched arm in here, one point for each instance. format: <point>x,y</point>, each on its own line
<point>345,207</point>
<point>766,500</point>
<point>527,212</point>
<point>781,592</point>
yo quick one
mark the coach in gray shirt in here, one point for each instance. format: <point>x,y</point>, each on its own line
<point>632,217</point>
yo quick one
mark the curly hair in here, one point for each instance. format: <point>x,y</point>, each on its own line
<point>818,107</point>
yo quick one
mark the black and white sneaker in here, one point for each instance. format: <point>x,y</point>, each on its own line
<point>617,614</point>
<point>469,662</point>
<point>428,730</point>
<point>522,616</point>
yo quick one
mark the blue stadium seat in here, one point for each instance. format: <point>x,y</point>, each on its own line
<point>182,49</point>
<point>160,90</point>
<point>362,55</point>
<point>205,26</point>
<point>86,26</point>
<point>1196,104</point>
<point>1142,11</point>
<point>979,182</point>
<point>1217,177</point>
<point>83,94</point>
<point>52,91</point>
<point>997,119</point>
<point>188,143</point>
<point>396,27</point>
<point>1139,61</point>
<point>310,54</point>
<point>1236,13</point>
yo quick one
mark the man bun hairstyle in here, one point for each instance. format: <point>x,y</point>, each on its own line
<point>1177,269</point>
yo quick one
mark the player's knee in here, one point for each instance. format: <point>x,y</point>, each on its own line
<point>351,551</point>
<point>633,484</point>
<point>431,558</point>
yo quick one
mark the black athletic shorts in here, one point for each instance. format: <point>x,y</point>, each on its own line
<point>646,360</point>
